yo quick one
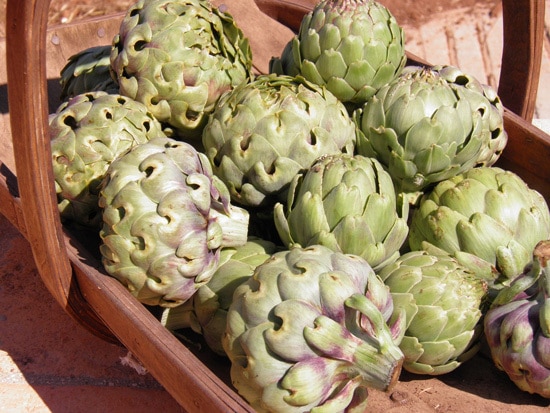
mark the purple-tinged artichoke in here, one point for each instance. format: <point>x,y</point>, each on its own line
<point>165,219</point>
<point>309,332</point>
<point>517,326</point>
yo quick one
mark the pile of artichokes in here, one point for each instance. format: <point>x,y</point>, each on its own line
<point>324,225</point>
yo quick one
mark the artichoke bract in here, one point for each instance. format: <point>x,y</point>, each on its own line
<point>353,47</point>
<point>487,213</point>
<point>206,311</point>
<point>443,303</point>
<point>263,133</point>
<point>178,57</point>
<point>88,132</point>
<point>165,219</point>
<point>517,326</point>
<point>348,204</point>
<point>88,71</point>
<point>310,330</point>
<point>430,124</point>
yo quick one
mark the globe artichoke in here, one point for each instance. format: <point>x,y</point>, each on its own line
<point>87,71</point>
<point>206,311</point>
<point>308,332</point>
<point>348,204</point>
<point>486,213</point>
<point>87,133</point>
<point>265,132</point>
<point>353,47</point>
<point>517,326</point>
<point>430,124</point>
<point>443,302</point>
<point>178,57</point>
<point>165,219</point>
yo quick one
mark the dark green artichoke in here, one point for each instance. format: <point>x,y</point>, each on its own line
<point>430,124</point>
<point>165,219</point>
<point>348,204</point>
<point>352,47</point>
<point>88,132</point>
<point>178,57</point>
<point>264,132</point>
<point>517,326</point>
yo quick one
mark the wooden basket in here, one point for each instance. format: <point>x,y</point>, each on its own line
<point>69,266</point>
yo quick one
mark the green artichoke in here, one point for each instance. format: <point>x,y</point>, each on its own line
<point>178,57</point>
<point>517,326</point>
<point>87,133</point>
<point>206,311</point>
<point>485,213</point>
<point>348,204</point>
<point>308,332</point>
<point>353,47</point>
<point>443,302</point>
<point>430,124</point>
<point>265,132</point>
<point>87,71</point>
<point>165,219</point>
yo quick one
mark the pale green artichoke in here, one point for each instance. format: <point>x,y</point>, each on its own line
<point>353,47</point>
<point>430,124</point>
<point>178,57</point>
<point>308,332</point>
<point>517,326</point>
<point>485,213</point>
<point>265,132</point>
<point>165,219</point>
<point>87,133</point>
<point>206,311</point>
<point>443,302</point>
<point>348,204</point>
<point>87,71</point>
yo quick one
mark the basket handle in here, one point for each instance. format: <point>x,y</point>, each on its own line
<point>28,105</point>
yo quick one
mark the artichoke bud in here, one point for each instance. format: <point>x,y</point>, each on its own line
<point>165,222</point>
<point>517,325</point>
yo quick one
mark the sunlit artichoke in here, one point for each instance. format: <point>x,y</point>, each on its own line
<point>206,311</point>
<point>443,303</point>
<point>488,213</point>
<point>348,204</point>
<point>265,132</point>
<point>165,220</point>
<point>430,124</point>
<point>353,47</point>
<point>517,326</point>
<point>308,332</point>
<point>178,57</point>
<point>87,71</point>
<point>87,133</point>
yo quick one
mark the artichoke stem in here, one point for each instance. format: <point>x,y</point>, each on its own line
<point>234,226</point>
<point>376,358</point>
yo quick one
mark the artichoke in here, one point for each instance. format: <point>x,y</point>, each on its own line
<point>87,71</point>
<point>178,57</point>
<point>486,213</point>
<point>353,47</point>
<point>517,326</point>
<point>265,132</point>
<point>87,133</point>
<point>165,219</point>
<point>308,332</point>
<point>430,124</point>
<point>348,204</point>
<point>206,311</point>
<point>443,302</point>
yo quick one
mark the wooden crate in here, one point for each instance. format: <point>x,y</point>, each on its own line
<point>69,264</point>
